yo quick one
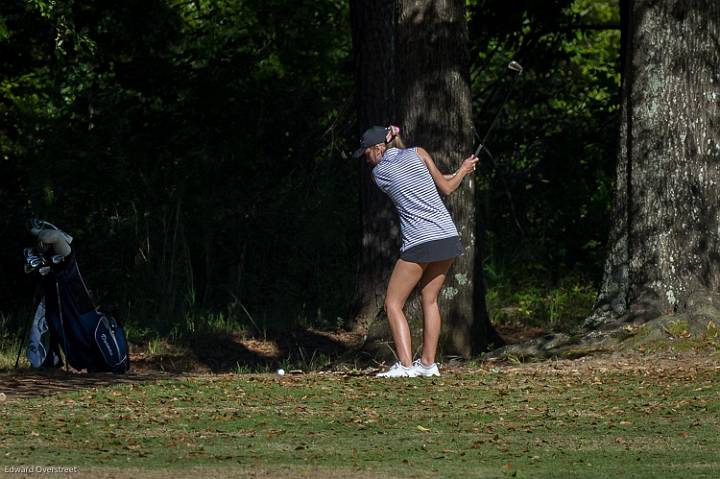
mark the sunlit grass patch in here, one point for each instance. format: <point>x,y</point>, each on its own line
<point>552,419</point>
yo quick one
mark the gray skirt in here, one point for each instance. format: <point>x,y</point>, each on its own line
<point>432,251</point>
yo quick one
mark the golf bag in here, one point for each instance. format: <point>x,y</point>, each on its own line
<point>67,319</point>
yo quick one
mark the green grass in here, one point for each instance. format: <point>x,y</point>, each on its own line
<point>529,421</point>
<point>560,308</point>
<point>7,358</point>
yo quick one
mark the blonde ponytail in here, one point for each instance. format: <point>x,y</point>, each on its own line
<point>396,142</point>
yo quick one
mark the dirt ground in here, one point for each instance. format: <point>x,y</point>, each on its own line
<point>206,355</point>
<point>235,354</point>
<point>221,353</point>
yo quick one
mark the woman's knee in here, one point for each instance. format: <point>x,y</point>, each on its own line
<point>393,306</point>
<point>428,298</point>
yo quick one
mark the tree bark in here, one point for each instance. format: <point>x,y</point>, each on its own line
<point>373,29</point>
<point>416,74</point>
<point>664,246</point>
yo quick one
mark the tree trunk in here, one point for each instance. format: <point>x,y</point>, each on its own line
<point>373,29</point>
<point>664,246</point>
<point>412,68</point>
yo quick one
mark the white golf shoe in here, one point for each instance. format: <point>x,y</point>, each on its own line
<point>397,370</point>
<point>425,371</point>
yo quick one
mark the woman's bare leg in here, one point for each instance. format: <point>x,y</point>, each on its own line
<point>403,280</point>
<point>430,284</point>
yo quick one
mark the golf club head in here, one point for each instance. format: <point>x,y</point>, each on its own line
<point>515,66</point>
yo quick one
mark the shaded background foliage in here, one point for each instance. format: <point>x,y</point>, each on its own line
<point>547,186</point>
<point>197,152</point>
<point>188,147</point>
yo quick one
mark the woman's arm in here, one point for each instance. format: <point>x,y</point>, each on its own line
<point>446,184</point>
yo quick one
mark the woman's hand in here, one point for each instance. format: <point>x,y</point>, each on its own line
<point>468,166</point>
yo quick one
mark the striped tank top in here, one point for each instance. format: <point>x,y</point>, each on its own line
<point>405,178</point>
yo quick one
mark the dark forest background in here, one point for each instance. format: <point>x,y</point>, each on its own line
<point>198,151</point>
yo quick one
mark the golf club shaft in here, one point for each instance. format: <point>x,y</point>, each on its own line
<point>517,68</point>
<point>495,119</point>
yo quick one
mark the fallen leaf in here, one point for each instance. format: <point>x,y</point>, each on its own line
<point>423,429</point>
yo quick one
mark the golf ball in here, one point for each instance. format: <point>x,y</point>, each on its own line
<point>281,372</point>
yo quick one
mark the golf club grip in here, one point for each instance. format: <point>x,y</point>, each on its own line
<point>478,149</point>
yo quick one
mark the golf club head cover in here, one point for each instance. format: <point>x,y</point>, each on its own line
<point>53,238</point>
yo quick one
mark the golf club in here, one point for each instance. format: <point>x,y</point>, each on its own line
<point>517,68</point>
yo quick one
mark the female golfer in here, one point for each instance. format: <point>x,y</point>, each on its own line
<point>430,240</point>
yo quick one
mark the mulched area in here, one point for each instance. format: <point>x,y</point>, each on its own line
<point>207,354</point>
<point>236,354</point>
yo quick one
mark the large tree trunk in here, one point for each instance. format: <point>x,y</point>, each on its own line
<point>412,68</point>
<point>664,246</point>
<point>373,28</point>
